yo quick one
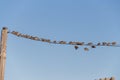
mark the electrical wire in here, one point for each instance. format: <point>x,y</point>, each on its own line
<point>76,44</point>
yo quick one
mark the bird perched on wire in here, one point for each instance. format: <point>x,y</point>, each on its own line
<point>62,42</point>
<point>55,42</point>
<point>114,43</point>
<point>108,44</point>
<point>79,43</point>
<point>104,43</point>
<point>16,33</point>
<point>90,43</point>
<point>98,44</point>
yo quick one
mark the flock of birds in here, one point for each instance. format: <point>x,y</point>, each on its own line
<point>76,44</point>
<point>111,78</point>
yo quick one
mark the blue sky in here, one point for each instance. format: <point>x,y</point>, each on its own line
<point>69,20</point>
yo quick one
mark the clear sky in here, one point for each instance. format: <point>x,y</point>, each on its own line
<point>69,20</point>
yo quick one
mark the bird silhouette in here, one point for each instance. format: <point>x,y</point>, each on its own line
<point>90,43</point>
<point>76,47</point>
<point>104,43</point>
<point>114,43</point>
<point>93,46</point>
<point>98,44</point>
<point>79,43</point>
<point>86,49</point>
<point>62,42</point>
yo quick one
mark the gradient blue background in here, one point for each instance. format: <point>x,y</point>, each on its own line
<point>69,20</point>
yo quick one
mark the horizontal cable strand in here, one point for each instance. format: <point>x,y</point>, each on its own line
<point>76,44</point>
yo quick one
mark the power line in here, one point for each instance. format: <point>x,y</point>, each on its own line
<point>74,43</point>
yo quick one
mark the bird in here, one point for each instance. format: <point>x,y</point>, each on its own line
<point>108,44</point>
<point>76,47</point>
<point>114,43</point>
<point>98,44</point>
<point>86,49</point>
<point>79,43</point>
<point>36,38</point>
<point>72,43</point>
<point>62,42</point>
<point>54,42</point>
<point>15,33</point>
<point>90,43</point>
<point>104,43</point>
<point>93,46</point>
<point>43,40</point>
<point>28,36</point>
<point>48,40</point>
